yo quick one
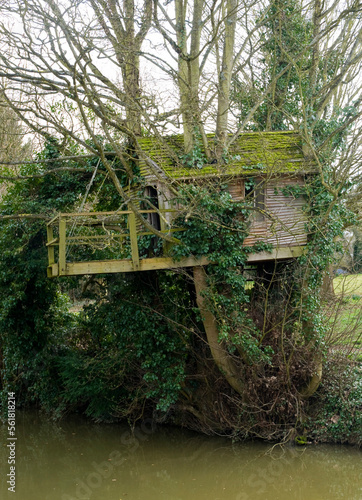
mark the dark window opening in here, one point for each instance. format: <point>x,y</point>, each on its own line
<point>151,196</point>
<point>256,193</point>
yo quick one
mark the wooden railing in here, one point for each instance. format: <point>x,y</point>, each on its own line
<point>120,231</point>
<point>116,237</point>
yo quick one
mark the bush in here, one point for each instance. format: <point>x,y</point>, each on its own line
<point>336,415</point>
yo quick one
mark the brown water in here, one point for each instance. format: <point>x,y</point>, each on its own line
<point>77,460</point>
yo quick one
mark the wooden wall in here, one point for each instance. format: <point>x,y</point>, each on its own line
<point>283,224</point>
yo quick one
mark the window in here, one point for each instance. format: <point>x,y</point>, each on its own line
<point>256,191</point>
<point>151,196</point>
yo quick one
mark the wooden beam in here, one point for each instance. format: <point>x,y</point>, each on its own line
<point>53,271</point>
<point>62,247</point>
<point>51,249</point>
<point>158,263</point>
<point>280,253</point>
<point>89,214</point>
<point>118,213</point>
<point>54,241</point>
<point>134,244</point>
<point>126,266</point>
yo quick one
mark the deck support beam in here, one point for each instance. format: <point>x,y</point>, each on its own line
<point>156,263</point>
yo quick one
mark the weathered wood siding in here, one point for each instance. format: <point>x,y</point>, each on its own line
<point>236,189</point>
<point>284,222</point>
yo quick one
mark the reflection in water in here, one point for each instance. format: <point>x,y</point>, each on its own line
<point>77,460</point>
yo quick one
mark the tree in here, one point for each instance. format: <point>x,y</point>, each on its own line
<point>74,69</point>
<point>12,146</point>
<point>33,317</point>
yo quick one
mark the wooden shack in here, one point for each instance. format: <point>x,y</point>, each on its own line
<point>258,166</point>
<point>272,160</point>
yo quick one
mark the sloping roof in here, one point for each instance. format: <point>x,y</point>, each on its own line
<point>250,153</point>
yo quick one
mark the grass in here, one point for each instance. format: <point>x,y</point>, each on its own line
<point>345,315</point>
<point>348,285</point>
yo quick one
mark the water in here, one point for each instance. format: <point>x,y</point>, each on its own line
<point>77,460</point>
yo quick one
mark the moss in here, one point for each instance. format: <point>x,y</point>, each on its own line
<point>301,440</point>
<point>250,153</point>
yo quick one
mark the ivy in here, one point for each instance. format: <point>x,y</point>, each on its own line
<point>285,30</point>
<point>147,334</point>
<point>217,226</point>
<point>326,219</point>
<point>196,157</point>
<point>339,418</point>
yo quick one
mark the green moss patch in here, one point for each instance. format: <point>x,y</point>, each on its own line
<point>250,153</point>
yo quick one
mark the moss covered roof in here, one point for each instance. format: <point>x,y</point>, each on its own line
<point>250,153</point>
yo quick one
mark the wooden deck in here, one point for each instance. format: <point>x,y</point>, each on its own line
<point>74,237</point>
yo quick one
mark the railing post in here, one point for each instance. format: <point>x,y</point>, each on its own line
<point>51,253</point>
<point>62,245</point>
<point>133,236</point>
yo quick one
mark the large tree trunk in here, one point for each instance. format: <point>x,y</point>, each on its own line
<point>189,70</point>
<point>225,73</point>
<point>130,71</point>
<point>221,357</point>
<point>133,93</point>
<point>119,22</point>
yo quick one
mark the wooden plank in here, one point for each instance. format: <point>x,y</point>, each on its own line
<point>236,189</point>
<point>115,236</point>
<point>84,214</point>
<point>163,223</point>
<point>126,266</point>
<point>51,240</point>
<point>133,237</point>
<point>168,263</point>
<point>52,221</point>
<point>159,263</point>
<point>62,246</point>
<point>277,253</point>
<point>103,214</point>
<point>53,271</point>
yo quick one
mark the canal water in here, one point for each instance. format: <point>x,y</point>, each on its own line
<point>78,460</point>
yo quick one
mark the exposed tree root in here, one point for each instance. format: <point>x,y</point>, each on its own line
<point>315,380</point>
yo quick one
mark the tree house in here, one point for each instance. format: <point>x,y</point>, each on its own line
<point>259,166</point>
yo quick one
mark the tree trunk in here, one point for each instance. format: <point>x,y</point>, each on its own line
<point>221,357</point>
<point>189,71</point>
<point>130,71</point>
<point>315,380</point>
<point>327,291</point>
<point>225,78</point>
